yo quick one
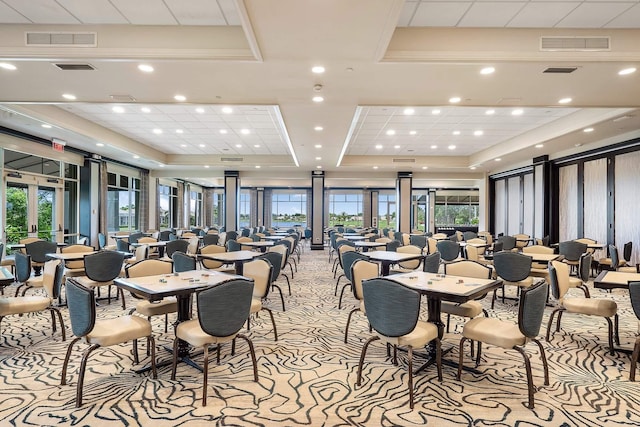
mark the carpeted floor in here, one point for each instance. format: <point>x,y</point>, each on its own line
<point>308,376</point>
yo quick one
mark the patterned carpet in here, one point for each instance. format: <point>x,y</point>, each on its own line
<point>308,376</point>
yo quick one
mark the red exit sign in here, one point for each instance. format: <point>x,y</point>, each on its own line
<point>58,145</point>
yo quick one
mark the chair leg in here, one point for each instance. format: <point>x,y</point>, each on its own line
<point>479,355</point>
<point>63,378</point>
<point>634,360</point>
<point>281,296</point>
<point>527,365</point>
<point>616,334</point>
<point>205,375</point>
<point>439,358</point>
<point>335,292</point>
<point>273,321</point>
<point>53,322</point>
<point>550,323</point>
<point>559,319</point>
<point>460,357</point>
<point>83,366</point>
<point>346,329</point>
<point>545,365</point>
<point>136,359</point>
<point>342,294</point>
<point>253,356</point>
<point>152,343</point>
<point>124,304</point>
<point>448,320</point>
<point>362,354</point>
<point>610,330</point>
<point>410,367</point>
<point>174,362</point>
<point>585,289</point>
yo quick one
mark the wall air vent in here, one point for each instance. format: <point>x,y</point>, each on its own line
<point>404,160</point>
<point>59,39</point>
<point>560,70</point>
<point>75,67</point>
<point>231,159</point>
<point>576,44</point>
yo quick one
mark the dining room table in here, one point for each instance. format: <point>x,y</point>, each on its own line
<point>180,285</point>
<point>6,278</point>
<point>365,245</point>
<point>387,258</point>
<point>238,258</point>
<point>263,245</point>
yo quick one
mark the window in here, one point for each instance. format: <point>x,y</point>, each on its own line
<point>420,210</point>
<point>289,208</point>
<point>218,207</point>
<point>168,201</point>
<point>245,208</point>
<point>345,208</point>
<point>123,195</point>
<point>195,208</point>
<point>387,209</point>
<point>456,207</point>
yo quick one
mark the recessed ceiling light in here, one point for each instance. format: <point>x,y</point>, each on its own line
<point>145,109</point>
<point>180,98</point>
<point>256,145</point>
<point>412,132</point>
<point>627,71</point>
<point>472,168</point>
<point>539,145</point>
<point>99,144</point>
<point>408,111</point>
<point>456,132</point>
<point>7,66</point>
<point>136,157</point>
<point>517,112</point>
<point>183,145</point>
<point>498,159</point>
<point>588,130</point>
<point>318,146</point>
<point>435,112</point>
<point>375,167</point>
<point>200,110</point>
<point>245,131</point>
<point>318,158</point>
<point>201,145</point>
<point>318,167</point>
<point>455,99</point>
<point>207,166</point>
<point>46,126</point>
<point>118,109</point>
<point>433,147</point>
<point>378,147</point>
<point>317,99</point>
<point>478,133</point>
<point>487,70</point>
<point>145,68</point>
<point>179,131</point>
<point>69,96</point>
<point>223,131</point>
<point>396,146</point>
<point>227,110</point>
<point>238,145</point>
<point>451,147</point>
<point>157,131</point>
<point>391,132</point>
<point>318,128</point>
<point>257,166</point>
<point>161,165</point>
<point>425,167</point>
<point>318,69</point>
<point>565,100</point>
<point>490,112</point>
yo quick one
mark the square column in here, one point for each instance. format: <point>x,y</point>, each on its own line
<point>231,200</point>
<point>317,210</point>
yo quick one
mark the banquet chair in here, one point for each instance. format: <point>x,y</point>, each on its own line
<point>507,335</point>
<point>101,269</point>
<point>260,271</point>
<point>284,254</point>
<point>508,242</point>
<point>361,270</point>
<point>38,251</point>
<point>393,312</point>
<point>152,267</point>
<point>183,262</point>
<point>522,240</point>
<point>449,250</point>
<point>584,268</point>
<point>348,258</point>
<point>275,259</point>
<point>152,251</point>
<point>514,269</point>
<point>75,267</point>
<point>419,241</point>
<point>210,239</point>
<point>100,333</point>
<point>211,264</point>
<point>469,309</point>
<point>538,269</point>
<point>571,250</point>
<point>222,311</point>
<point>619,264</point>
<point>409,265</point>
<point>431,263</point>
<point>634,296</point>
<point>600,307</point>
<point>172,246</point>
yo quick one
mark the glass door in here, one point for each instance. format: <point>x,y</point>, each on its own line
<point>31,211</point>
<point>17,205</point>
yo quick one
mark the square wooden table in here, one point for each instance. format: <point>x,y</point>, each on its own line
<point>237,257</point>
<point>615,279</point>
<point>387,258</point>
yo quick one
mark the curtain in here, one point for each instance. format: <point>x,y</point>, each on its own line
<point>268,204</point>
<point>104,196</point>
<point>143,218</point>
<point>180,212</point>
<point>207,206</point>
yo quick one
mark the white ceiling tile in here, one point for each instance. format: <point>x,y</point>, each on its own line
<point>490,14</point>
<point>408,9</point>
<point>593,15</point>
<point>196,12</point>
<point>629,19</point>
<point>10,16</point>
<point>542,15</point>
<point>439,14</point>
<point>145,12</point>
<point>94,12</point>
<point>42,11</point>
<point>230,12</point>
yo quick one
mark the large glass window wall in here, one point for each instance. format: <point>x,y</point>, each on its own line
<point>457,208</point>
<point>123,197</point>
<point>345,208</point>
<point>168,202</point>
<point>289,208</point>
<point>245,208</point>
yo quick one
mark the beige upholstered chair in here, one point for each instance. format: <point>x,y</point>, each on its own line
<point>242,240</point>
<point>151,267</point>
<point>360,270</point>
<point>100,333</point>
<point>194,243</point>
<point>211,264</point>
<point>411,264</point>
<point>151,251</point>
<point>514,269</point>
<point>75,267</point>
<point>50,279</point>
<point>260,271</point>
<point>507,335</point>
<point>522,240</point>
<point>469,309</point>
<point>599,307</point>
<point>474,253</point>
<point>538,269</point>
<point>432,245</point>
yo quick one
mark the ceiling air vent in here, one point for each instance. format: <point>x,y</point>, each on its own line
<point>231,159</point>
<point>61,39</point>
<point>575,44</point>
<point>75,67</point>
<point>404,160</point>
<point>560,70</point>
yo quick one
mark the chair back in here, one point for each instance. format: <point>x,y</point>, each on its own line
<point>52,273</point>
<point>467,268</point>
<point>431,263</point>
<point>392,308</point>
<point>245,232</point>
<point>348,258</point>
<point>261,271</point>
<point>558,279</point>
<point>103,266</point>
<point>468,235</point>
<point>615,257</point>
<point>497,247</point>
<point>81,302</point>
<point>233,246</point>
<point>512,266</point>
<point>533,301</point>
<point>178,245</point>
<point>76,249</point>
<point>224,308</point>
<point>472,252</point>
<point>413,263</point>
<point>145,239</point>
<point>508,242</point>
<point>626,251</point>
<point>39,249</point>
<point>572,250</point>
<point>486,236</point>
<point>23,267</point>
<point>634,295</point>
<point>211,249</point>
<point>164,235</point>
<point>362,270</point>
<point>537,249</point>
<point>448,250</point>
<point>122,245</point>
<point>142,252</point>
<point>275,259</point>
<point>183,262</point>
<point>432,245</point>
<point>102,240</point>
<point>232,235</point>
<point>393,245</point>
<point>419,241</point>
<point>148,267</point>
<point>283,251</point>
<point>193,243</point>
<point>210,239</point>
<point>584,266</point>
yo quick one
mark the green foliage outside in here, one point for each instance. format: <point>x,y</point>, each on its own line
<point>16,211</point>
